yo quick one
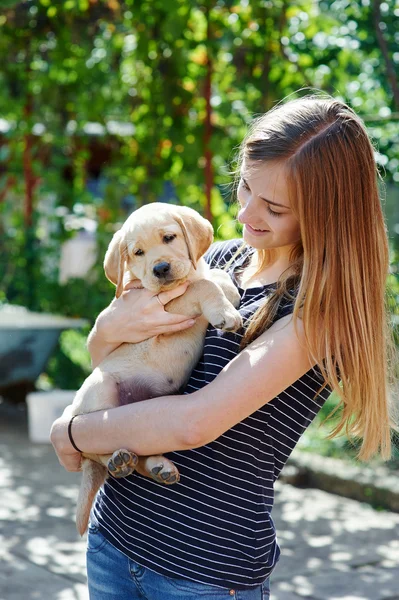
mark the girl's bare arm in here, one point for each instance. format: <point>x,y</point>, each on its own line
<point>259,373</point>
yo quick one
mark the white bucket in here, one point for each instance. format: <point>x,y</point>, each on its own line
<point>43,409</point>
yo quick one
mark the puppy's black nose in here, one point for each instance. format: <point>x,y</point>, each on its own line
<point>161,269</point>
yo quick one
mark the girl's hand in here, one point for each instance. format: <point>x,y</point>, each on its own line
<point>135,316</point>
<point>68,457</point>
<point>138,315</point>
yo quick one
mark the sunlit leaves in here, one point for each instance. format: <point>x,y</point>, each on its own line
<point>82,65</point>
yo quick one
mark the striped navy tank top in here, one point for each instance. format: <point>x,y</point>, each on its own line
<point>215,525</point>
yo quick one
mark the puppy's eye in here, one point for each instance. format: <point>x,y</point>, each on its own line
<point>138,252</point>
<point>168,238</point>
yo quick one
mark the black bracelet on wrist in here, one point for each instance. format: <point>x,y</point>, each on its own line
<point>70,434</point>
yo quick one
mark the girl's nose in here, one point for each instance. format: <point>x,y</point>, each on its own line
<point>247,211</point>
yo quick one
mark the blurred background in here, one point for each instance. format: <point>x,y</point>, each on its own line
<point>106,105</point>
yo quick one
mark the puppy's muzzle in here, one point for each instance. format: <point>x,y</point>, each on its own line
<point>161,270</point>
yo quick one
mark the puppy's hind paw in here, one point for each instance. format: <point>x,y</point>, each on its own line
<point>160,469</point>
<point>122,463</point>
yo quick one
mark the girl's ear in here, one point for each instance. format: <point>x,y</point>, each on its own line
<point>114,262</point>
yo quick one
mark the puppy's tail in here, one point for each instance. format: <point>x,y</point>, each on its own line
<point>92,479</point>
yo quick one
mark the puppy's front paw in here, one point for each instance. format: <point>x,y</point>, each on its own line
<point>122,463</point>
<point>234,297</point>
<point>228,320</point>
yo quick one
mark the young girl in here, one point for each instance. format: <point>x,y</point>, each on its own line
<point>311,274</point>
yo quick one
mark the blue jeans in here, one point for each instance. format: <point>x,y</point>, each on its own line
<point>113,576</point>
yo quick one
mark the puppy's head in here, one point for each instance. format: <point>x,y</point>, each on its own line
<point>159,245</point>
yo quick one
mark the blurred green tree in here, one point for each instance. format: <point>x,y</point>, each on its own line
<point>108,104</point>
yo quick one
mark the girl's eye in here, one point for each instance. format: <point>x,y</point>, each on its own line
<point>169,238</point>
<point>269,210</point>
<point>138,252</point>
<point>272,212</point>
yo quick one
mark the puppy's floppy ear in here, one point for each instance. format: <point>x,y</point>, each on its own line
<point>197,231</point>
<point>114,262</point>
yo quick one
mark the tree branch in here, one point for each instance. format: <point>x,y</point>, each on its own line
<point>391,74</point>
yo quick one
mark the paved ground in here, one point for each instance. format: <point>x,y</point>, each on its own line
<point>333,548</point>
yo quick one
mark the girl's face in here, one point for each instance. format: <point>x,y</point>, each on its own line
<point>265,208</point>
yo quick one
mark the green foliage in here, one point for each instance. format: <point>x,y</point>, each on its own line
<point>71,361</point>
<point>113,92</point>
<point>73,345</point>
<point>316,437</point>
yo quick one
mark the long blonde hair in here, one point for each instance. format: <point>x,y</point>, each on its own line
<point>340,266</point>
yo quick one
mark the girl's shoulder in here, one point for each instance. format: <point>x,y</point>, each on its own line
<point>221,252</point>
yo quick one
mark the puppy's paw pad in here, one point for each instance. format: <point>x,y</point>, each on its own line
<point>156,470</point>
<point>122,463</point>
<point>167,476</point>
<point>162,471</point>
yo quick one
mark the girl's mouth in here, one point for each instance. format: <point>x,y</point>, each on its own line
<point>254,231</point>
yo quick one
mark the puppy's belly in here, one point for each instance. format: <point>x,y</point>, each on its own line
<point>138,388</point>
<point>156,367</point>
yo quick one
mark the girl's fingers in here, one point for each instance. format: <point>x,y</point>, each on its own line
<point>175,319</point>
<point>166,297</point>
<point>71,464</point>
<point>186,324</point>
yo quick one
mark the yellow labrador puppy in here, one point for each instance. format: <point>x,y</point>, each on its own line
<point>160,246</point>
